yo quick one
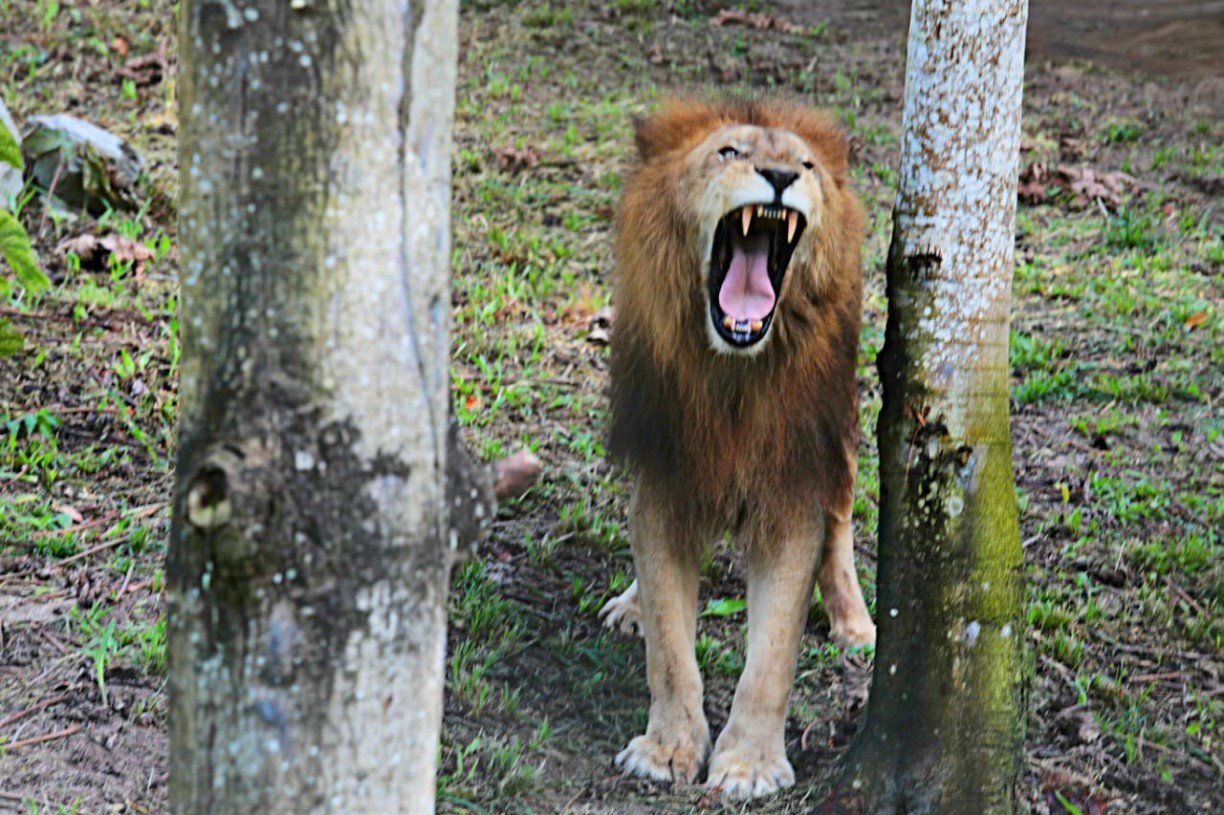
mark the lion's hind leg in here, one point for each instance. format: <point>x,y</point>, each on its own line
<point>623,612</point>
<point>849,621</point>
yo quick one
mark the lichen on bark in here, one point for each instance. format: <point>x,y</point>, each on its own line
<point>312,536</point>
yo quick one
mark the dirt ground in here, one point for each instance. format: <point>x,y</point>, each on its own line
<point>1116,351</point>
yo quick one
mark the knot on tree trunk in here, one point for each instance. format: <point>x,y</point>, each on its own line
<point>229,489</point>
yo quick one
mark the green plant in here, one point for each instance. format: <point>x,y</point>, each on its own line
<point>101,645</point>
<point>16,252</point>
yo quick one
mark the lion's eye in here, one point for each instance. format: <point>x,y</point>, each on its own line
<point>729,152</point>
<point>809,165</point>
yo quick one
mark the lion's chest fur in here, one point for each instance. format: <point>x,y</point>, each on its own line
<point>735,447</point>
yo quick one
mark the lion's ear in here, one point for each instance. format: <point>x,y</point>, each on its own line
<point>676,124</point>
<point>651,135</point>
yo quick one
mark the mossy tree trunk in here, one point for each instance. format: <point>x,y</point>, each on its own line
<point>311,545</point>
<point>944,724</point>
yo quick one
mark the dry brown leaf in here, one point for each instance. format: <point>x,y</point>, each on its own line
<point>85,247</point>
<point>94,252</point>
<point>763,22</point>
<point>1032,187</point>
<point>1087,185</point>
<point>1083,183</point>
<point>1070,149</point>
<point>146,70</point>
<point>71,511</point>
<point>1195,320</point>
<point>514,159</point>
<point>126,250</point>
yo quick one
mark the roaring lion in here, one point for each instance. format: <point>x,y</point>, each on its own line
<point>734,403</point>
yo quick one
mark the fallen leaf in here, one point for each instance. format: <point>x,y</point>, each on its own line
<point>95,253</point>
<point>514,159</point>
<point>120,46</point>
<point>70,511</point>
<point>762,22</point>
<point>1195,320</point>
<point>471,403</point>
<point>1032,186</point>
<point>146,70</point>
<point>1086,185</point>
<point>126,250</point>
<point>1070,149</point>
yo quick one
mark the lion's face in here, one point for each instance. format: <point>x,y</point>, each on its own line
<point>756,195</point>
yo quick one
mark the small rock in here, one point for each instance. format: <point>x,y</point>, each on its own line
<point>514,474</point>
<point>83,165</point>
<point>11,181</point>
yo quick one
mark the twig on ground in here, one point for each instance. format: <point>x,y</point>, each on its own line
<point>101,519</point>
<point>93,550</point>
<point>59,734</point>
<point>51,638</point>
<point>127,579</point>
<point>21,714</point>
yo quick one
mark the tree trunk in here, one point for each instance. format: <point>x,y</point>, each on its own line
<point>944,723</point>
<point>311,546</point>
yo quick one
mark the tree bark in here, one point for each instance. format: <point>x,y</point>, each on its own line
<point>944,725</point>
<point>312,540</point>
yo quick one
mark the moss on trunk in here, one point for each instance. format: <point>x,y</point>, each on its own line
<point>944,728</point>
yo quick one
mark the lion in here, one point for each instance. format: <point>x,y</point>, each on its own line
<point>734,404</point>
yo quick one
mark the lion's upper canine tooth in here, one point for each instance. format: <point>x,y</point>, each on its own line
<point>728,323</point>
<point>792,223</point>
<point>756,325</point>
<point>746,214</point>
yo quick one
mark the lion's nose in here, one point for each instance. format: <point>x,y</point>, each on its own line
<point>780,179</point>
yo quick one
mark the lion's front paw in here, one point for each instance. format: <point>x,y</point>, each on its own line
<point>664,759</point>
<point>854,632</point>
<point>623,612</point>
<point>747,771</point>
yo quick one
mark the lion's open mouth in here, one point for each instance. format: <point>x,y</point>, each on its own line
<point>752,249</point>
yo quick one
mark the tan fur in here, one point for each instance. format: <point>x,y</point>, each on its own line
<point>758,443</point>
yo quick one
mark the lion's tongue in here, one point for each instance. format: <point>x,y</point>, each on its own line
<point>746,292</point>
